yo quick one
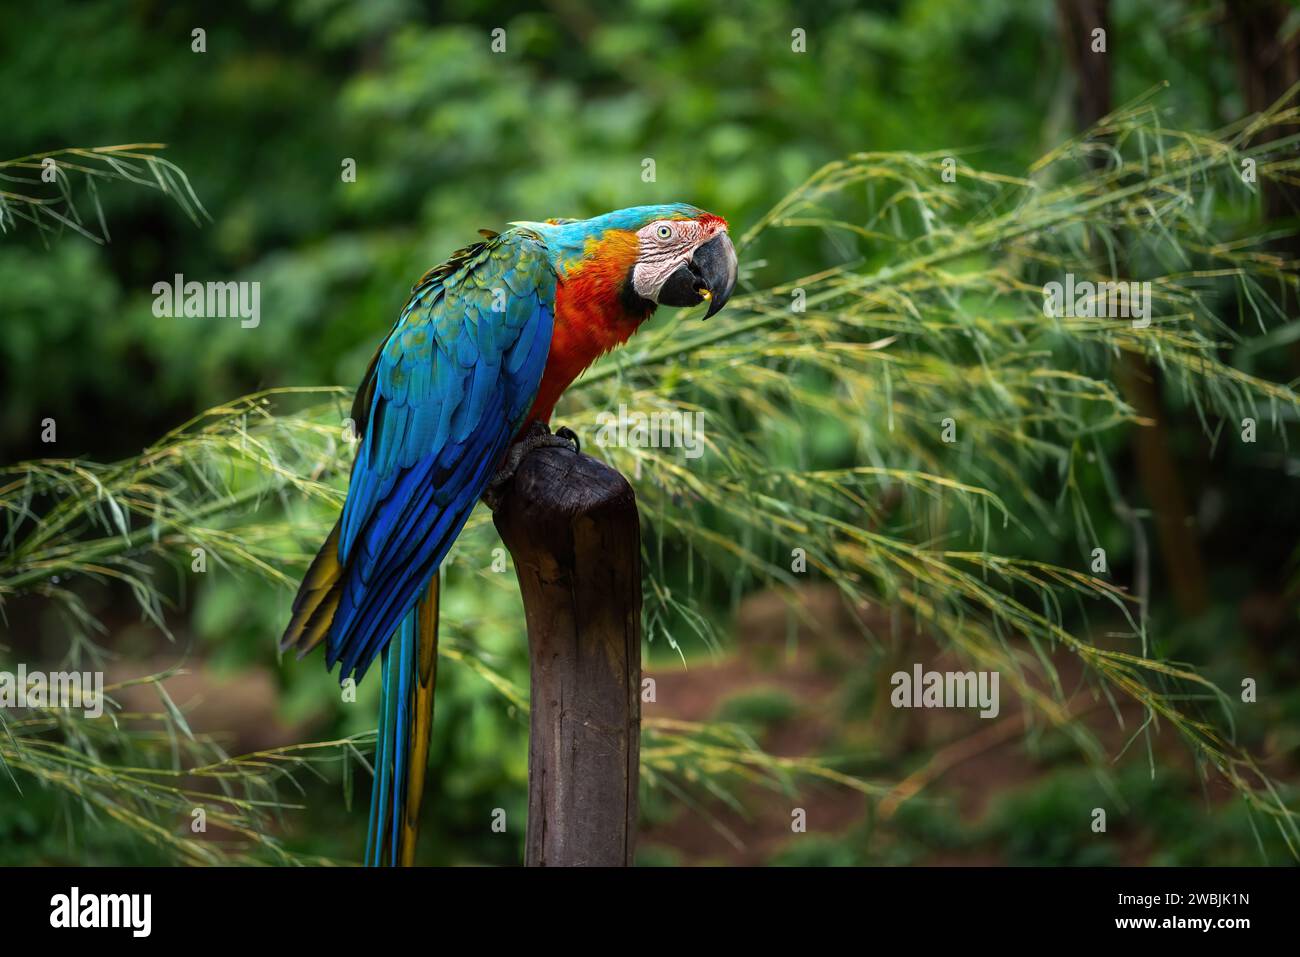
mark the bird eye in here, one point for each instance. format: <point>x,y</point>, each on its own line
<point>664,232</point>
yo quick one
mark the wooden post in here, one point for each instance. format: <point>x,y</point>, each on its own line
<point>571,525</point>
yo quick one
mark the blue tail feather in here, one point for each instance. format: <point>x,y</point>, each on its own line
<point>408,672</point>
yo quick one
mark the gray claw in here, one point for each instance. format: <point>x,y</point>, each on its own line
<point>564,432</point>
<point>536,436</point>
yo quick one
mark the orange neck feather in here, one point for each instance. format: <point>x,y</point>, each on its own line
<point>591,316</point>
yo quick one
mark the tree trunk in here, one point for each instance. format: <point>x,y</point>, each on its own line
<point>1138,379</point>
<point>1268,64</point>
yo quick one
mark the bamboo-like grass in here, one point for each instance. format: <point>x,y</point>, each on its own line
<point>932,308</point>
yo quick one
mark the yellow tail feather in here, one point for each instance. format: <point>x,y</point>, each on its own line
<point>422,715</point>
<point>317,599</point>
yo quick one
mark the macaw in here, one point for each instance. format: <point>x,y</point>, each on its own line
<point>459,391</point>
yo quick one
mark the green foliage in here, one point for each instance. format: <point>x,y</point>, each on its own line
<point>923,302</point>
<point>759,708</point>
<point>940,315</point>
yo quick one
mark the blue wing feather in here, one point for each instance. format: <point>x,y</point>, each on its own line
<point>451,387</point>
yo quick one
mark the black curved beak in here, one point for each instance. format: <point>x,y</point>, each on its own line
<point>710,275</point>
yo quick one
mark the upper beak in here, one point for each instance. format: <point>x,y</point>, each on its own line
<point>710,275</point>
<point>715,262</point>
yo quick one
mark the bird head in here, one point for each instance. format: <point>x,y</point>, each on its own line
<point>668,255</point>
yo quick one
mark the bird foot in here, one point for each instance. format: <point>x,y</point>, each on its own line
<point>537,436</point>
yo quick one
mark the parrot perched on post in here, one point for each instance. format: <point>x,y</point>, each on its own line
<point>460,390</point>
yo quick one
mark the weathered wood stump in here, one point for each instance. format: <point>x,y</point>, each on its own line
<point>571,525</point>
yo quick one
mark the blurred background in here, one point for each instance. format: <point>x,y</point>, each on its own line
<point>449,137</point>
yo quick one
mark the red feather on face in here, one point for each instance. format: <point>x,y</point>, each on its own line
<point>591,316</point>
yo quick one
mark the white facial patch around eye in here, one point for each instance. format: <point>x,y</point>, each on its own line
<point>664,245</point>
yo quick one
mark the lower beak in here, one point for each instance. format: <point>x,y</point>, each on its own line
<point>709,276</point>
